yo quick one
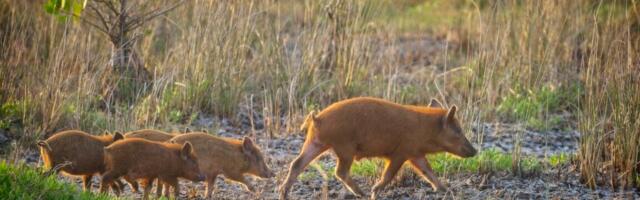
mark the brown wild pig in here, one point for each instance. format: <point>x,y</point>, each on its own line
<point>224,156</point>
<point>369,127</point>
<point>83,151</point>
<point>139,159</point>
<point>153,135</point>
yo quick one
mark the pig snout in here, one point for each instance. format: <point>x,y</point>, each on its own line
<point>469,151</point>
<point>270,174</point>
<point>263,170</point>
<point>266,174</point>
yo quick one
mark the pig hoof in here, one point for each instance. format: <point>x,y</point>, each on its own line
<point>283,195</point>
<point>358,194</point>
<point>374,195</point>
<point>441,188</point>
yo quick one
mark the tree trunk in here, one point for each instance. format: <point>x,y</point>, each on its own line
<point>127,79</point>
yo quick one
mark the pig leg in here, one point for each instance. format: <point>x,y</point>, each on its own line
<point>167,189</point>
<point>117,186</point>
<point>173,182</point>
<point>390,170</point>
<point>132,183</point>
<point>107,181</point>
<point>309,152</point>
<point>422,166</point>
<point>240,179</point>
<point>86,182</point>
<point>147,183</point>
<point>159,188</point>
<point>103,186</point>
<point>342,172</point>
<point>211,184</point>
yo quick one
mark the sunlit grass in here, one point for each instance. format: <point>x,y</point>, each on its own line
<point>442,163</point>
<point>559,159</point>
<point>486,160</point>
<point>536,107</point>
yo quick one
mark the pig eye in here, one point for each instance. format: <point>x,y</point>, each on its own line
<point>458,129</point>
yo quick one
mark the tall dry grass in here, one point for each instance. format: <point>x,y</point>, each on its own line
<point>610,143</point>
<point>590,45</point>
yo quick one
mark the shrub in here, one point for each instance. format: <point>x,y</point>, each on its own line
<point>23,182</point>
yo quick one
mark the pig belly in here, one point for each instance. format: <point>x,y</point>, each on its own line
<point>375,149</point>
<point>79,167</point>
<point>137,173</point>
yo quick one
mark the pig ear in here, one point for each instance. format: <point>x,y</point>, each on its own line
<point>451,113</point>
<point>117,136</point>
<point>186,150</point>
<point>247,144</point>
<point>435,104</point>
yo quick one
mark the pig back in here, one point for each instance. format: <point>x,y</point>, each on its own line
<point>149,134</point>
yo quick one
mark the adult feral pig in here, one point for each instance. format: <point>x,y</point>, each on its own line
<point>229,157</point>
<point>139,159</point>
<point>82,153</point>
<point>369,127</point>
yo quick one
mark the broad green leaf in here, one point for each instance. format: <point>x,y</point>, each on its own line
<point>64,8</point>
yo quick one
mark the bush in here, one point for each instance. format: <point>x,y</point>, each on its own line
<point>23,182</point>
<point>10,112</point>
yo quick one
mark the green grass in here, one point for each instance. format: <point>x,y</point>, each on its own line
<point>487,160</point>
<point>538,108</point>
<point>10,112</point>
<point>313,171</point>
<point>362,168</point>
<point>367,168</point>
<point>558,159</point>
<point>23,182</point>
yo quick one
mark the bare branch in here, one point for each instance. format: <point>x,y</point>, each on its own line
<point>87,21</point>
<point>138,21</point>
<point>101,17</point>
<point>110,6</point>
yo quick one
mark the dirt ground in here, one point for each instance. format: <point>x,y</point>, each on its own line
<point>556,183</point>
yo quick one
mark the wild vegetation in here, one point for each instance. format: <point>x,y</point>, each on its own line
<point>24,182</point>
<point>542,65</point>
